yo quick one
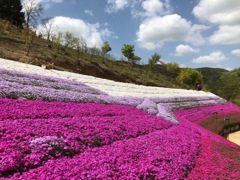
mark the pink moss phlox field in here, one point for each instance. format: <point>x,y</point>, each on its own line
<point>69,140</point>
<point>218,158</point>
<point>198,113</point>
<point>216,161</point>
<point>163,154</point>
<point>18,85</point>
<point>33,132</point>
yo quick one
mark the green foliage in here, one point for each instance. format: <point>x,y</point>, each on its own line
<point>155,58</point>
<point>106,48</point>
<point>190,77</point>
<point>236,101</point>
<point>211,76</point>
<point>172,67</point>
<point>128,51</point>
<point>136,59</point>
<point>29,35</point>
<point>11,10</point>
<point>57,40</point>
<point>69,39</point>
<point>228,86</point>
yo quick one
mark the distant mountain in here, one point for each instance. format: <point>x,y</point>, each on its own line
<point>211,76</point>
<point>222,82</point>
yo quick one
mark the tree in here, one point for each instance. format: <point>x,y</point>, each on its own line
<point>229,85</point>
<point>48,27</point>
<point>155,58</point>
<point>69,39</point>
<point>29,34</point>
<point>128,52</point>
<point>33,10</point>
<point>106,48</point>
<point>11,11</point>
<point>136,59</point>
<point>57,41</point>
<point>190,77</point>
<point>172,67</point>
<point>83,44</point>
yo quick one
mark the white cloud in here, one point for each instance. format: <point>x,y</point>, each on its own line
<point>150,8</point>
<point>89,12</point>
<point>226,35</point>
<point>107,33</point>
<point>92,33</point>
<point>160,26</point>
<point>214,57</point>
<point>225,14</point>
<point>236,52</point>
<point>218,11</point>
<point>155,7</point>
<point>153,32</point>
<point>194,35</point>
<point>182,50</point>
<point>115,5</point>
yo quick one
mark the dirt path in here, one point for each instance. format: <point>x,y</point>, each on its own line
<point>234,137</point>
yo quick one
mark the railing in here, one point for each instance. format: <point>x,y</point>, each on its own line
<point>230,128</point>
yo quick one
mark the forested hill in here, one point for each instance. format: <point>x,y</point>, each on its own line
<point>211,76</point>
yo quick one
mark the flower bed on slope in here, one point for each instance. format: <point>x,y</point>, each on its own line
<point>144,156</point>
<point>199,113</point>
<point>219,158</point>
<point>165,154</point>
<point>216,161</point>
<point>19,85</point>
<point>108,86</point>
<point>16,85</point>
<point>34,132</point>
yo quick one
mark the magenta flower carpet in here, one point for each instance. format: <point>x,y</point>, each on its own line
<point>54,128</point>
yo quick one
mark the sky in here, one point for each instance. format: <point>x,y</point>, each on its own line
<point>191,33</point>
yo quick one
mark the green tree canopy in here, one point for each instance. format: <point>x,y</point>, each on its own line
<point>11,11</point>
<point>136,59</point>
<point>128,51</point>
<point>172,67</point>
<point>229,85</point>
<point>106,48</point>
<point>69,39</point>
<point>155,58</point>
<point>190,77</point>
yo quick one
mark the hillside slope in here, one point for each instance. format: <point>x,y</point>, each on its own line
<point>57,124</point>
<point>14,45</point>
